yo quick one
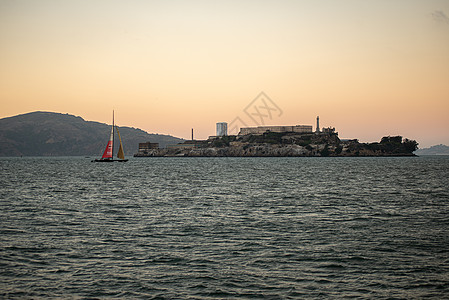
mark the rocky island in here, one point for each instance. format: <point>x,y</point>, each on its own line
<point>284,144</point>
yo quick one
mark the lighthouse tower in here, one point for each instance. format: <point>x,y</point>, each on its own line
<point>317,124</point>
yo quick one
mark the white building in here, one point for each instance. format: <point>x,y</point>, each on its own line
<point>222,129</point>
<point>279,129</point>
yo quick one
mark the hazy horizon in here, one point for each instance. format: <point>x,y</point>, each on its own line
<point>369,69</point>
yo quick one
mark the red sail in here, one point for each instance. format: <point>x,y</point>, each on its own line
<point>108,151</point>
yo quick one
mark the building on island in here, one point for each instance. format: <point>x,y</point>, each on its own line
<point>278,129</point>
<point>329,130</point>
<point>302,138</point>
<point>145,148</point>
<point>222,129</point>
<point>148,146</point>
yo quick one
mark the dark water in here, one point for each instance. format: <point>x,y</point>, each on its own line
<point>211,228</point>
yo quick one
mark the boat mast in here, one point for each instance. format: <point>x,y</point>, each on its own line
<point>112,134</point>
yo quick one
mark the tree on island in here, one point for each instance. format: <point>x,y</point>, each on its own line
<point>396,144</point>
<point>410,146</point>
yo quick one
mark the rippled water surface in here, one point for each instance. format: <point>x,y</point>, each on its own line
<point>208,228</point>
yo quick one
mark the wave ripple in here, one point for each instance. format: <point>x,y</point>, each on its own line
<point>211,228</point>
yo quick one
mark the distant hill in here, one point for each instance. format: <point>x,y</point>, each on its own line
<point>434,150</point>
<point>55,134</point>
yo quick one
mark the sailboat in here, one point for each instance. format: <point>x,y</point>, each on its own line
<point>108,154</point>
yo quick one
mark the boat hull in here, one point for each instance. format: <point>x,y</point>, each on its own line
<point>110,160</point>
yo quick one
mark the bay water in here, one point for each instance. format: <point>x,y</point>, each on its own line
<point>224,228</point>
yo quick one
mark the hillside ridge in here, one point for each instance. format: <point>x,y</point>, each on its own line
<point>42,133</point>
<point>434,150</point>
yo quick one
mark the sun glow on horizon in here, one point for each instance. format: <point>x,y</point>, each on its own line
<point>368,69</point>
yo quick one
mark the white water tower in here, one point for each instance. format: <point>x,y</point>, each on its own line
<point>222,129</point>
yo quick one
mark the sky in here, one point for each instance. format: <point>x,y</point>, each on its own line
<point>368,68</point>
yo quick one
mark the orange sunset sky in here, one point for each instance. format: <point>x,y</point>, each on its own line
<point>368,68</point>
